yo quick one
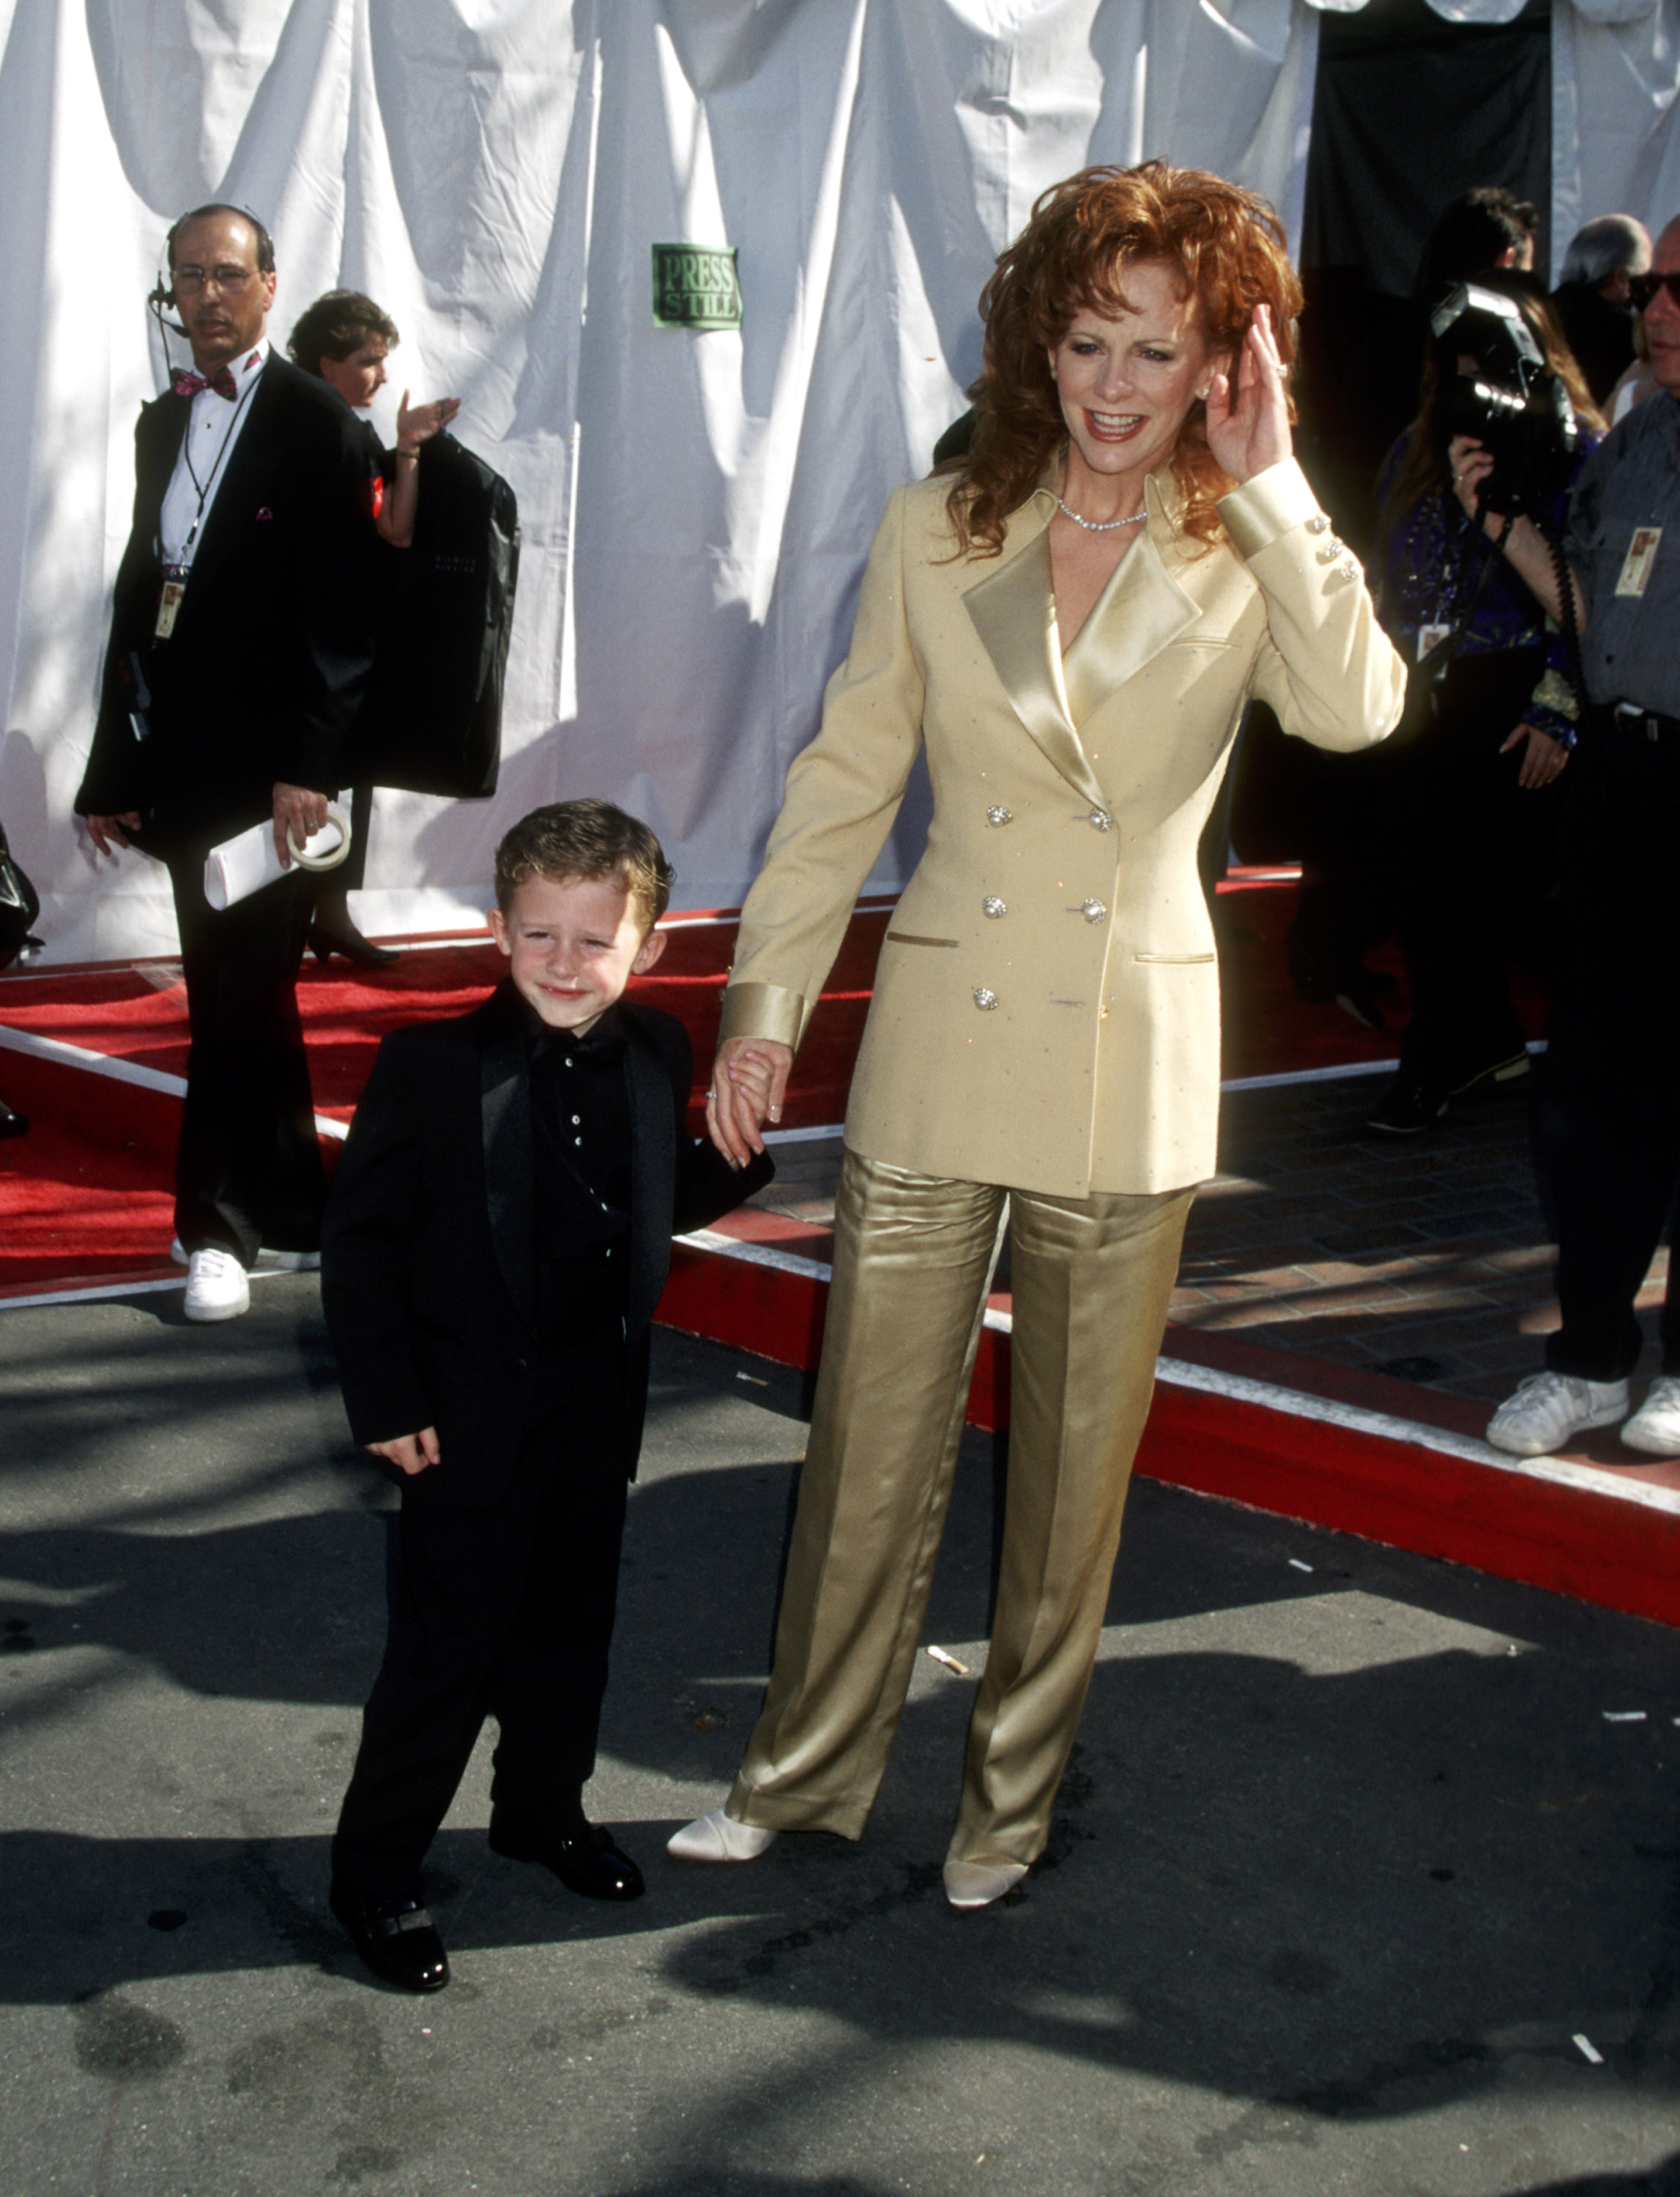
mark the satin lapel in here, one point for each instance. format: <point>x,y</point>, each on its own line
<point>1014,612</point>
<point>1140,611</point>
<point>510,1160</point>
<point>653,1174</point>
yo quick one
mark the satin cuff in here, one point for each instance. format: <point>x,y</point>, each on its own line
<point>1265,508</point>
<point>766,1011</point>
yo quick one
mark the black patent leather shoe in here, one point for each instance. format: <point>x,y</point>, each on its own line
<point>12,1124</point>
<point>396,1940</point>
<point>585,1860</point>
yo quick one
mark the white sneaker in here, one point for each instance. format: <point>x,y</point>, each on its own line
<point>1655,1426</point>
<point>268,1262</point>
<point>718,1837</point>
<point>217,1287</point>
<point>1551,1407</point>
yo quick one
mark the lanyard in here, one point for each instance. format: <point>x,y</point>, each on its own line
<point>180,566</point>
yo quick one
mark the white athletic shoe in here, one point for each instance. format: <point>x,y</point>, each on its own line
<point>268,1262</point>
<point>1549,1408</point>
<point>217,1287</point>
<point>1655,1426</point>
<point>718,1837</point>
<point>978,1884</point>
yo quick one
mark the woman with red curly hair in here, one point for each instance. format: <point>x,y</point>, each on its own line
<point>1070,629</point>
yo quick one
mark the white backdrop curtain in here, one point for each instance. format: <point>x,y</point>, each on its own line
<point>695,507</point>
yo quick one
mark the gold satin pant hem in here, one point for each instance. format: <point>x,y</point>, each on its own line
<point>913,1255</point>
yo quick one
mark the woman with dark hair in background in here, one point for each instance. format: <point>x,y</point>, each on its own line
<point>344,338</point>
<point>1490,724</point>
<point>1071,626</point>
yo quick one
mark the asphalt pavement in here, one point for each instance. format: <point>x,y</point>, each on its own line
<point>1365,1877</point>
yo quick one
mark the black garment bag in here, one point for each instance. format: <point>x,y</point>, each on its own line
<point>431,719</point>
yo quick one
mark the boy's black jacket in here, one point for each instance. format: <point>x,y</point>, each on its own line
<point>429,1248</point>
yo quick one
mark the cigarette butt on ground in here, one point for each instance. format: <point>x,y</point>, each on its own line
<point>1296,1564</point>
<point>1588,2051</point>
<point>950,1661</point>
<point>1623,1716</point>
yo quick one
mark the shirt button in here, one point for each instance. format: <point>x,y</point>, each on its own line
<point>992,906</point>
<point>577,1140</point>
<point>983,998</point>
<point>577,1121</point>
<point>1094,911</point>
<point>1101,820</point>
<point>999,816</point>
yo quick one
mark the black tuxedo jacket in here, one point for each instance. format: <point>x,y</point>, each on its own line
<point>262,675</point>
<point>429,1248</point>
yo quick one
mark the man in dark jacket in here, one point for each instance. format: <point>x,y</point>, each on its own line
<point>496,1244</point>
<point>242,635</point>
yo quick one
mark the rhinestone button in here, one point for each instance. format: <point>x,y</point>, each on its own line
<point>1101,820</point>
<point>999,816</point>
<point>1317,524</point>
<point>994,906</point>
<point>983,998</point>
<point>1329,552</point>
<point>1094,911</point>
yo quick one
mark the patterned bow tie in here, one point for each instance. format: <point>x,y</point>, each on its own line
<point>222,382</point>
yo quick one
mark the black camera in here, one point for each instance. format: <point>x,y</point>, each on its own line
<point>1512,403</point>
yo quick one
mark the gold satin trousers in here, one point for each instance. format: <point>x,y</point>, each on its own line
<point>913,1254</point>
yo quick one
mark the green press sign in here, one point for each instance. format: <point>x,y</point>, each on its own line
<point>695,286</point>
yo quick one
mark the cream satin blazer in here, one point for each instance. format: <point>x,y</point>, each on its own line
<point>1047,1011</point>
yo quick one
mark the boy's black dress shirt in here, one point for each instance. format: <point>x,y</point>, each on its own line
<point>580,1116</point>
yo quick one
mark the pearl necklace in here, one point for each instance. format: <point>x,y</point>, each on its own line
<point>1100,526</point>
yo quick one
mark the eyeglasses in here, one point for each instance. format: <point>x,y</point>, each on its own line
<point>229,279</point>
<point>1642,288</point>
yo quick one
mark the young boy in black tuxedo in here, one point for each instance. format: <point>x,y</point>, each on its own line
<point>494,1248</point>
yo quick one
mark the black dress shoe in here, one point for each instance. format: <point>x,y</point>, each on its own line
<point>1416,1100</point>
<point>1409,1105</point>
<point>585,1860</point>
<point>396,1940</point>
<point>12,1124</point>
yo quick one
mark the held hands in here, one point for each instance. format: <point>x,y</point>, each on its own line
<point>409,1454</point>
<point>298,811</point>
<point>1542,760</point>
<point>419,423</point>
<point>749,1084</point>
<point>1249,431</point>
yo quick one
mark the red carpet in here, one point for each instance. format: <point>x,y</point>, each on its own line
<point>85,1196</point>
<point>84,1199</point>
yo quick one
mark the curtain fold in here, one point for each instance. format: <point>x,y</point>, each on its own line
<point>695,507</point>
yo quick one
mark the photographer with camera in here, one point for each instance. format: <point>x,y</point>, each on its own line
<point>1468,781</point>
<point>1607,1124</point>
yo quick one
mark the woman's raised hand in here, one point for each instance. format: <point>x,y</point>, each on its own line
<point>417,424</point>
<point>1249,430</point>
<point>749,1083</point>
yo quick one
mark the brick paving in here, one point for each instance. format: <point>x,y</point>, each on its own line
<point>1428,1260</point>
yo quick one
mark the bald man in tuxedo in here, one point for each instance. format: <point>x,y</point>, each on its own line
<point>241,634</point>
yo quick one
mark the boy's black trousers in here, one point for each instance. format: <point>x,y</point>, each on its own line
<point>502,1610</point>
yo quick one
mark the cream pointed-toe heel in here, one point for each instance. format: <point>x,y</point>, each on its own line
<point>978,1884</point>
<point>718,1837</point>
